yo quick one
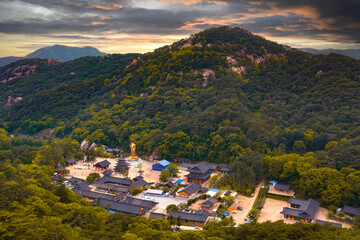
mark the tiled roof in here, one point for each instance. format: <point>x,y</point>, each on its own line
<point>203,190</point>
<point>200,168</point>
<point>351,210</point>
<point>115,188</point>
<point>109,179</point>
<point>191,188</point>
<point>108,172</point>
<point>103,164</point>
<point>187,165</point>
<point>120,207</point>
<point>156,215</point>
<point>70,161</point>
<point>140,202</point>
<point>170,184</point>
<point>139,184</point>
<point>201,176</point>
<point>227,193</point>
<point>209,202</point>
<point>76,181</point>
<point>224,169</point>
<point>91,194</point>
<point>138,178</point>
<point>282,187</point>
<point>200,216</point>
<point>308,208</point>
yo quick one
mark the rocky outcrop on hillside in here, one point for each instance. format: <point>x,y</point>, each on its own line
<point>23,71</point>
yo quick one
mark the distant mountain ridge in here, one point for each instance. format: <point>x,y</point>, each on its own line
<point>354,53</point>
<point>6,60</point>
<point>60,52</point>
<point>64,53</point>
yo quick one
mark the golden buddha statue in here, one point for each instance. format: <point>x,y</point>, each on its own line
<point>133,154</point>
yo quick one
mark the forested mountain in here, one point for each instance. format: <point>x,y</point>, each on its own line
<point>222,95</point>
<point>64,53</point>
<point>30,76</point>
<point>212,96</point>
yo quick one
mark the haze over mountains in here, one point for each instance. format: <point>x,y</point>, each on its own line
<point>354,53</point>
<point>59,52</point>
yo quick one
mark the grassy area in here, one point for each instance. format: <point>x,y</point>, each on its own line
<point>278,197</point>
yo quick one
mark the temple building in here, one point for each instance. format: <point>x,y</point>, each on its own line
<point>201,172</point>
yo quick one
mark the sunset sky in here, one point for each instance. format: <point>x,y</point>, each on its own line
<point>121,26</point>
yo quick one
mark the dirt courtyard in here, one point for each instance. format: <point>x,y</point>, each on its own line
<point>246,204</point>
<point>271,210</point>
<point>80,170</point>
<point>322,214</point>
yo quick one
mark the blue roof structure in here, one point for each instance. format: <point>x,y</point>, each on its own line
<point>273,181</point>
<point>163,164</point>
<point>179,181</point>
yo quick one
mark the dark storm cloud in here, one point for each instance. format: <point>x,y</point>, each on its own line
<point>325,17</point>
<point>330,20</point>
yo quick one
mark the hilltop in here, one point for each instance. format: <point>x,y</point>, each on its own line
<point>213,96</point>
<point>58,52</point>
<point>64,53</point>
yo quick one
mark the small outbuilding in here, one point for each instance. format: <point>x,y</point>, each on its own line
<point>189,190</point>
<point>103,165</point>
<point>159,166</point>
<point>70,162</point>
<point>169,184</point>
<point>282,187</point>
<point>208,204</point>
<point>350,211</point>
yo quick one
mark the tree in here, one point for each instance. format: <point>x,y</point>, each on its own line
<point>299,146</point>
<point>341,214</point>
<point>172,207</point>
<point>173,169</point>
<point>164,175</point>
<point>124,172</point>
<point>178,221</point>
<point>357,222</point>
<point>90,156</point>
<point>92,177</point>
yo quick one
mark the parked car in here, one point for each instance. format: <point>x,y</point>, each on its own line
<point>233,211</point>
<point>239,208</point>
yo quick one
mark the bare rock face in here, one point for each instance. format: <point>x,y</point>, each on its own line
<point>13,100</point>
<point>134,62</point>
<point>206,73</point>
<point>319,73</point>
<point>24,71</point>
<point>187,43</point>
<point>51,62</point>
<point>20,71</point>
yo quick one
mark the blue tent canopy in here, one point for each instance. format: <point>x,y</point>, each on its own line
<point>273,181</point>
<point>179,181</point>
